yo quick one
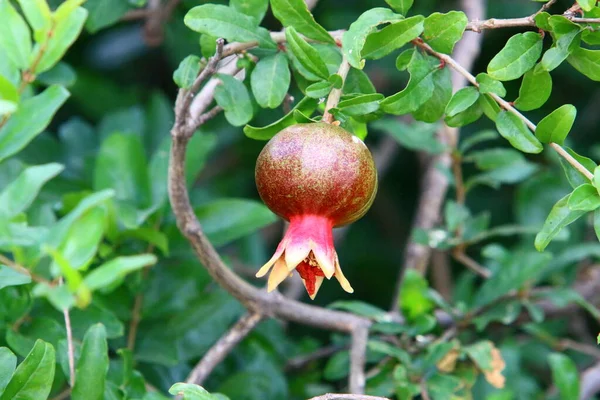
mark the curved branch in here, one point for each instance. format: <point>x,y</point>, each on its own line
<point>188,117</point>
<point>222,347</point>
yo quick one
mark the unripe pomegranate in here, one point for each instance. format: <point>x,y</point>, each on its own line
<point>316,176</point>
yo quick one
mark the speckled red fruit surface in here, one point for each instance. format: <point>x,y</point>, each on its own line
<point>316,176</point>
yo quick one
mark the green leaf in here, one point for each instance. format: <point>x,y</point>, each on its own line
<point>190,392</point>
<point>564,46</point>
<point>121,165</point>
<point>253,8</point>
<point>489,106</point>
<point>65,33</point>
<point>542,21</point>
<point>38,13</point>
<point>58,233</point>
<point>513,129</point>
<point>403,59</point>
<point>586,5</point>
<point>455,214</point>
<point>319,90</point>
<point>389,350</point>
<point>361,105</point>
<point>270,80</point>
<point>225,22</point>
<point>306,106</point>
<point>419,89</point>
<point>381,43</point>
<point>418,136</point>
<point>15,36</point>
<point>10,277</point>
<point>479,137</point>
<point>355,37</point>
<point>306,55</point>
<point>32,117</point>
<point>560,216</point>
<point>522,268</point>
<point>104,13</point>
<point>414,299</point>
<point>587,62</point>
<point>110,272</point>
<point>295,13</point>
<point>185,75</point>
<point>20,193</point>
<point>92,366</point>
<point>462,100</point>
<point>481,354</point>
<point>8,91</point>
<point>555,127</point>
<point>564,372</point>
<point>61,74</point>
<point>400,6</point>
<point>518,56</point>
<point>433,109</point>
<point>470,115</point>
<point>8,363</point>
<point>81,243</point>
<point>225,220</point>
<point>575,177</point>
<point>7,107</point>
<point>442,31</point>
<point>337,367</point>
<point>65,9</point>
<point>535,90</point>
<point>359,308</point>
<point>597,223</point>
<point>487,84</point>
<point>33,377</point>
<point>83,320</point>
<point>584,198</point>
<point>232,95</point>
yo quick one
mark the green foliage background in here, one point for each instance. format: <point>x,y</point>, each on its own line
<point>85,201</point>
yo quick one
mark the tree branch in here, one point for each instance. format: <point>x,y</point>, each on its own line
<point>590,382</point>
<point>222,347</point>
<point>255,300</point>
<point>358,350</point>
<point>435,183</point>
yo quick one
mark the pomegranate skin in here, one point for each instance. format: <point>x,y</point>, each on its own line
<point>317,169</point>
<point>316,176</point>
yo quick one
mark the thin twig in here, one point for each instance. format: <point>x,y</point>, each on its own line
<point>344,396</point>
<point>336,94</point>
<point>70,347</point>
<point>504,104</point>
<point>222,347</point>
<point>301,361</point>
<point>424,392</point>
<point>136,317</point>
<point>187,95</point>
<point>583,348</point>
<point>460,256</point>
<point>63,395</point>
<point>22,270</point>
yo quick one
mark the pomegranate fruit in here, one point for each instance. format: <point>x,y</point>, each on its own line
<point>317,176</point>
